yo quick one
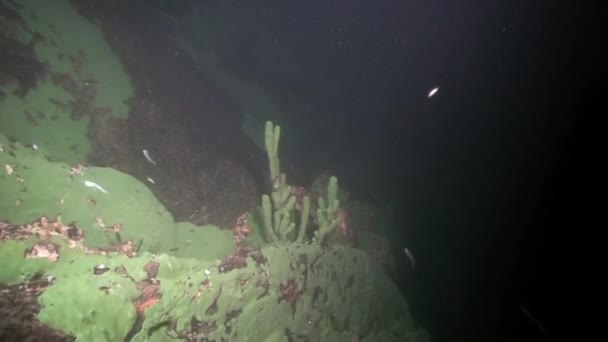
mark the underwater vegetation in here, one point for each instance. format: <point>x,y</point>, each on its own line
<point>113,264</point>
<point>90,253</point>
<point>278,209</point>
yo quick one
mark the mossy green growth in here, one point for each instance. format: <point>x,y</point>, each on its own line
<point>72,48</point>
<point>95,197</point>
<point>283,290</point>
<point>34,119</point>
<point>95,200</point>
<point>14,268</point>
<point>105,311</point>
<point>202,242</point>
<point>89,306</point>
<point>301,290</point>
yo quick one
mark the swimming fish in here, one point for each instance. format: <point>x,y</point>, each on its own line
<point>147,155</point>
<point>432,92</point>
<point>539,325</point>
<point>95,186</point>
<point>410,256</point>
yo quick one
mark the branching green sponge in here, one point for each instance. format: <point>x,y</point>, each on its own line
<point>327,212</point>
<point>272,134</point>
<point>304,219</point>
<point>278,208</point>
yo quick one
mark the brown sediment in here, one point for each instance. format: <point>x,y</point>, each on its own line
<point>19,308</point>
<point>208,171</point>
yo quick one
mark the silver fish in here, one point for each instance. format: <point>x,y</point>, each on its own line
<point>539,325</point>
<point>432,92</point>
<point>95,186</point>
<point>410,256</point>
<point>147,155</point>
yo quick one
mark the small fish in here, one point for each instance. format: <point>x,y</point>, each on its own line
<point>432,92</point>
<point>95,186</point>
<point>147,155</point>
<point>151,180</point>
<point>539,325</point>
<point>410,256</point>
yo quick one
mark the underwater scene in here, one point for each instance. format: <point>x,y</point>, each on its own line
<point>278,171</point>
<point>115,229</point>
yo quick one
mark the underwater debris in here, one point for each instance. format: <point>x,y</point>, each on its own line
<point>9,169</point>
<point>151,269</point>
<point>241,229</point>
<point>291,292</point>
<point>149,288</point>
<point>44,250</point>
<point>77,170</point>
<point>100,269</point>
<point>150,295</point>
<point>99,222</point>
<point>126,249</point>
<point>231,262</point>
<point>239,259</point>
<point>42,228</point>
